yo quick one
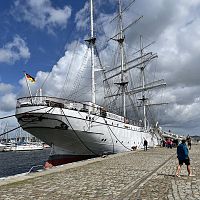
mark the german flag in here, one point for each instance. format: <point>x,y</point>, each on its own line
<point>30,78</point>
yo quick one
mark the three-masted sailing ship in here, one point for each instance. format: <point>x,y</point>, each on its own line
<point>80,130</point>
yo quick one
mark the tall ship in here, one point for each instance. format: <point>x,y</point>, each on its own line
<point>79,130</point>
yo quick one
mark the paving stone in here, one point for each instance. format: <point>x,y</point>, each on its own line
<point>129,176</point>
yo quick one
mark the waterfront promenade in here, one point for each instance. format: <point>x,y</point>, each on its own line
<point>128,176</point>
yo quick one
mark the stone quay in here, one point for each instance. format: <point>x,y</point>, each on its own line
<point>125,176</point>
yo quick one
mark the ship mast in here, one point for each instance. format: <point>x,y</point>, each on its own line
<point>139,62</point>
<point>121,44</point>
<point>92,44</point>
<point>143,84</point>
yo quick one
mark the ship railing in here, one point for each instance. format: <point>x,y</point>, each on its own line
<point>42,101</point>
<point>57,102</point>
<point>87,107</point>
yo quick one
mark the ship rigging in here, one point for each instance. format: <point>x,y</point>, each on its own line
<point>78,130</point>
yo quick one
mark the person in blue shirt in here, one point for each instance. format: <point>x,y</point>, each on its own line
<point>182,155</point>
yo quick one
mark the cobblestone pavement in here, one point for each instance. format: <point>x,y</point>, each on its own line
<point>128,176</point>
<point>164,185</point>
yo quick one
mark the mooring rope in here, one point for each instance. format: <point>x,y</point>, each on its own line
<point>77,135</point>
<point>117,138</point>
<point>23,113</point>
<point>21,126</point>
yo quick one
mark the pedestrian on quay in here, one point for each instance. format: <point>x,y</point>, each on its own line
<point>163,143</point>
<point>168,143</point>
<point>145,145</point>
<point>189,142</point>
<point>183,157</point>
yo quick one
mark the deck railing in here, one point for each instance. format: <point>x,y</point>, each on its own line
<point>69,104</point>
<point>42,101</point>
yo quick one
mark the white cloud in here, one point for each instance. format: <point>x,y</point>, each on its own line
<point>5,87</point>
<point>8,102</point>
<point>82,18</point>
<point>175,28</point>
<point>177,46</point>
<point>55,80</point>
<point>14,51</point>
<point>41,14</point>
<point>7,98</point>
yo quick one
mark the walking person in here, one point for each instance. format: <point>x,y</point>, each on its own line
<point>145,145</point>
<point>189,141</point>
<point>183,157</point>
<point>170,143</point>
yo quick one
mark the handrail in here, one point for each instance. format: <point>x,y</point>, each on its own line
<point>74,105</point>
<point>30,170</point>
<point>42,99</point>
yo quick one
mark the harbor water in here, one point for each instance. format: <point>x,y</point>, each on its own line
<point>17,162</point>
<point>129,175</point>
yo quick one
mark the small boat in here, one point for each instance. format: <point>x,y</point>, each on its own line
<point>46,146</point>
<point>8,146</point>
<point>2,147</point>
<point>27,147</point>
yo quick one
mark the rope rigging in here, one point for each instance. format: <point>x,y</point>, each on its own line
<point>78,135</point>
<point>79,76</point>
<point>69,37</point>
<point>21,126</point>
<point>63,90</point>
<point>23,113</point>
<point>117,138</point>
<point>107,88</point>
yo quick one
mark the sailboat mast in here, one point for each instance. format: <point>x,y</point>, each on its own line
<point>143,85</point>
<point>92,43</point>
<point>121,41</point>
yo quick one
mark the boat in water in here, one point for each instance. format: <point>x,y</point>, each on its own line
<point>2,147</point>
<point>23,146</point>
<point>80,130</point>
<point>27,147</point>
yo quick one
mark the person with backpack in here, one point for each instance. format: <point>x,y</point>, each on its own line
<point>183,157</point>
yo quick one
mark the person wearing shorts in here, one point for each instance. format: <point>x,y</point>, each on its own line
<point>183,157</point>
<point>186,161</point>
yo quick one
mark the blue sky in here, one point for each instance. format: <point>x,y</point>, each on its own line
<point>38,36</point>
<point>45,48</point>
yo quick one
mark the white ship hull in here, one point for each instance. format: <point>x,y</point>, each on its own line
<point>78,133</point>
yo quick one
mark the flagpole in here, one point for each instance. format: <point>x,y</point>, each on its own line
<point>28,85</point>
